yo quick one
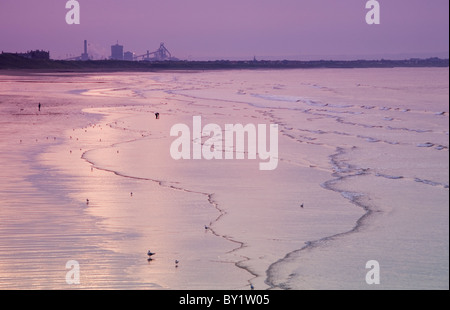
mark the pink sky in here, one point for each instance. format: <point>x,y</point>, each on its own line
<point>213,29</point>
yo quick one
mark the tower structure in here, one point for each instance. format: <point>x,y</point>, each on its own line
<point>85,55</point>
<point>117,52</point>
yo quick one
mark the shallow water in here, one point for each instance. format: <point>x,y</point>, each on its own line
<point>365,151</point>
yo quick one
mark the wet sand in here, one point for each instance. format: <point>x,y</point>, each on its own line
<point>365,151</point>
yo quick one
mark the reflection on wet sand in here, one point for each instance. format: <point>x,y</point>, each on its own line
<point>90,178</point>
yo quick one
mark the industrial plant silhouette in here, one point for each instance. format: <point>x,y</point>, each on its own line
<point>117,53</point>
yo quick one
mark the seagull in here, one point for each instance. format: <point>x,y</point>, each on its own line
<point>301,206</point>
<point>206,227</point>
<point>176,263</point>
<point>87,201</point>
<point>149,253</point>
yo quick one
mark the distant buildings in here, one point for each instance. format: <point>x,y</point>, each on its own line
<point>129,56</point>
<point>161,54</point>
<point>117,52</point>
<point>37,54</point>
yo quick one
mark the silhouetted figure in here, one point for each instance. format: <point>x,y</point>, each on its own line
<point>301,206</point>
<point>39,106</point>
<point>157,115</point>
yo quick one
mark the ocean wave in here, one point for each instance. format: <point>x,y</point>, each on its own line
<point>292,99</point>
<point>369,139</point>
<point>391,142</point>
<point>432,183</point>
<point>352,196</point>
<point>427,144</point>
<point>392,177</point>
<point>409,129</point>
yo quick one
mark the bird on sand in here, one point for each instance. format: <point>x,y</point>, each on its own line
<point>150,254</point>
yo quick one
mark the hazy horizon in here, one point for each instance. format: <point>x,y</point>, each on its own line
<point>208,30</point>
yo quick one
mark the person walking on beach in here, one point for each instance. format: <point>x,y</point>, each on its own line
<point>39,106</point>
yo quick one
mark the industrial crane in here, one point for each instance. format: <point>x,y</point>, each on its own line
<point>162,53</point>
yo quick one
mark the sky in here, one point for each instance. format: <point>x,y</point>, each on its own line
<point>230,29</point>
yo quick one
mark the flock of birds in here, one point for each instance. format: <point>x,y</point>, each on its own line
<point>150,254</point>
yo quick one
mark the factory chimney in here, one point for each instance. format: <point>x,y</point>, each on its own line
<point>85,55</point>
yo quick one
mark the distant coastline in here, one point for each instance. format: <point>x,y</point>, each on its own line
<point>10,61</point>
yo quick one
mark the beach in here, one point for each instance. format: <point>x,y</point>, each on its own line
<point>362,174</point>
